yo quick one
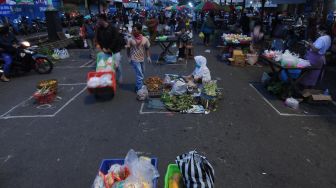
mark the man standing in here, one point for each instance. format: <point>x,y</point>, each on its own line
<point>137,49</point>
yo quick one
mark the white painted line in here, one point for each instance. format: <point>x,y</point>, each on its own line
<point>277,111</point>
<point>141,112</point>
<point>32,116</point>
<point>15,107</point>
<point>87,63</point>
<point>74,84</point>
<point>39,116</point>
<point>287,114</point>
<point>72,67</point>
<point>69,101</point>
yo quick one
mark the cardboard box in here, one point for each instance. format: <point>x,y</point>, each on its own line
<point>314,95</point>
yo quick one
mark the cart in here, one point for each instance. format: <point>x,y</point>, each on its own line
<point>103,91</point>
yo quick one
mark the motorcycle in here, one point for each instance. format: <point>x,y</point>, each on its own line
<point>27,59</point>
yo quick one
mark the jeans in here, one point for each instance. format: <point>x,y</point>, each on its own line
<point>139,73</point>
<point>91,47</point>
<point>8,60</point>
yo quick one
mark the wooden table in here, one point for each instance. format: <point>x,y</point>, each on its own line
<point>165,46</point>
<point>277,68</point>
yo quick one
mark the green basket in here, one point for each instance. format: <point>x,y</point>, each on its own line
<point>171,170</point>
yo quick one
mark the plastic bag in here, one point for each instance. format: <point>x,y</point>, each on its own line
<point>292,103</point>
<point>201,35</point>
<point>179,88</point>
<point>142,94</point>
<point>85,43</point>
<point>98,182</point>
<point>105,80</point>
<point>166,80</point>
<point>142,171</point>
<point>93,82</point>
<point>200,173</point>
<point>289,60</point>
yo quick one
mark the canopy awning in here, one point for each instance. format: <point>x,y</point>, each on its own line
<point>288,1</point>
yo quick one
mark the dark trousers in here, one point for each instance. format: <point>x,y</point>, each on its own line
<point>181,53</point>
<point>206,39</point>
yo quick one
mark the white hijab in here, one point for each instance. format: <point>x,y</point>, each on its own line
<point>201,70</point>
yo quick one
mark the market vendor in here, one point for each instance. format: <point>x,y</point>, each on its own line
<point>201,73</point>
<point>316,57</point>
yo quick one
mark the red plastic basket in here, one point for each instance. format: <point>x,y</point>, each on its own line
<point>111,88</point>
<point>45,98</point>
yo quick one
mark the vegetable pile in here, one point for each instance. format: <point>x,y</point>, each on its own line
<point>177,103</point>
<point>210,88</point>
<point>154,84</point>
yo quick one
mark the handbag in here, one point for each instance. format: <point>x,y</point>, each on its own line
<point>197,172</point>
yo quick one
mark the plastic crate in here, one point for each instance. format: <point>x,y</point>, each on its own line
<point>107,163</point>
<point>100,90</point>
<point>45,98</point>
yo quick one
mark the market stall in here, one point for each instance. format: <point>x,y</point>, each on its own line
<point>180,94</point>
<point>287,67</point>
<point>235,48</point>
<point>165,42</point>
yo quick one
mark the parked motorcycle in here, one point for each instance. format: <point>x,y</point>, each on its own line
<point>27,59</point>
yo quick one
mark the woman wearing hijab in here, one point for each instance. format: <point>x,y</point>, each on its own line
<point>201,73</point>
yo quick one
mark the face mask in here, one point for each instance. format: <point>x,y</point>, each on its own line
<point>198,66</point>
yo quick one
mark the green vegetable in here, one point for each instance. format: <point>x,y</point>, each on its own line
<point>178,103</point>
<point>210,88</point>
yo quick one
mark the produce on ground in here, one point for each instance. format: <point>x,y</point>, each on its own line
<point>177,103</point>
<point>210,88</point>
<point>154,84</point>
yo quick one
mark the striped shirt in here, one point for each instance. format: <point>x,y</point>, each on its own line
<point>137,51</point>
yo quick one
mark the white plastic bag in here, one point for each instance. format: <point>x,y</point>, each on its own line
<point>93,82</point>
<point>98,182</point>
<point>105,80</point>
<point>142,171</point>
<point>292,103</point>
<point>179,88</point>
<point>167,80</point>
<point>142,94</point>
<point>85,43</point>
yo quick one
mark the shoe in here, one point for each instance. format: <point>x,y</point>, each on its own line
<point>4,78</point>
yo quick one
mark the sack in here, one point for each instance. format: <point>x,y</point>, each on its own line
<point>201,35</point>
<point>197,172</point>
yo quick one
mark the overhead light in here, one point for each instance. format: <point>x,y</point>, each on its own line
<point>190,4</point>
<point>251,2</point>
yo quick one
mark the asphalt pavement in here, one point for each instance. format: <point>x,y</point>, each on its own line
<point>246,140</point>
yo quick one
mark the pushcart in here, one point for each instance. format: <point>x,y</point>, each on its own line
<point>103,91</point>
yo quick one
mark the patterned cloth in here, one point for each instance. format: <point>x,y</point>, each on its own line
<point>138,49</point>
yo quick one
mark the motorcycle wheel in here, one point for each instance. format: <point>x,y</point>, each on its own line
<point>43,65</point>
